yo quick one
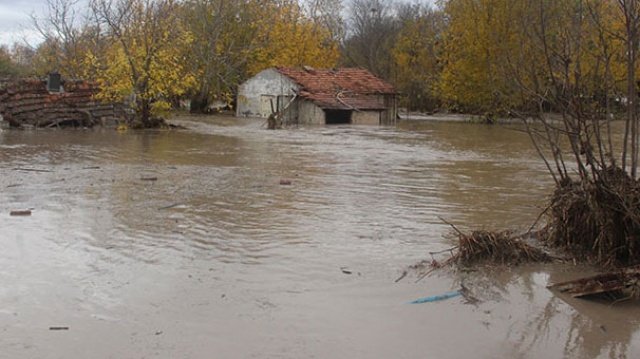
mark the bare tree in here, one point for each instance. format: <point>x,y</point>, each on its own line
<point>371,29</point>
<point>23,54</point>
<point>631,13</point>
<point>594,209</point>
<point>62,31</point>
<point>328,13</point>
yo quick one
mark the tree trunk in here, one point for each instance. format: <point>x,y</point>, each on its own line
<point>199,103</point>
<point>144,113</point>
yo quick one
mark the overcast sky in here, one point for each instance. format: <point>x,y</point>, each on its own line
<point>15,20</point>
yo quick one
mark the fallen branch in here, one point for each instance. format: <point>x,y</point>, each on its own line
<point>451,224</point>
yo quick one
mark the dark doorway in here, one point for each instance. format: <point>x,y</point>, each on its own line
<point>337,117</point>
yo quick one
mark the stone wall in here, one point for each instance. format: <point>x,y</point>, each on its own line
<point>27,102</point>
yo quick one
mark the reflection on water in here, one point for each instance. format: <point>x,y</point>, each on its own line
<point>541,322</point>
<point>185,244</point>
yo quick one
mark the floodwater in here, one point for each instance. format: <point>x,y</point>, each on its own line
<point>185,244</point>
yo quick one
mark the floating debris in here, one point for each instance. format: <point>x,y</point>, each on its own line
<point>625,281</point>
<point>149,178</point>
<point>498,248</point>
<point>436,298</point>
<point>169,206</point>
<point>285,182</point>
<point>58,328</point>
<point>20,213</point>
<point>404,274</point>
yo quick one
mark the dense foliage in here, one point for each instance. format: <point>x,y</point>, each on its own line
<point>485,57</point>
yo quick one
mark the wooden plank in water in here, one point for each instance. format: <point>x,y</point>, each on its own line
<point>20,213</point>
<point>601,283</point>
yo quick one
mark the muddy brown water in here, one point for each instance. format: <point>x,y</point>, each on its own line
<point>184,244</point>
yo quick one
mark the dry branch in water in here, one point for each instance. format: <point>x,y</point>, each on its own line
<point>494,247</point>
<point>501,248</point>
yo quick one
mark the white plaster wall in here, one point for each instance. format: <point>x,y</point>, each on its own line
<point>310,114</point>
<point>254,94</point>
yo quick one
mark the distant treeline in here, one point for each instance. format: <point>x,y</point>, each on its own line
<point>487,57</point>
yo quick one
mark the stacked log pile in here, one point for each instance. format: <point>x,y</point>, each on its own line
<point>27,102</point>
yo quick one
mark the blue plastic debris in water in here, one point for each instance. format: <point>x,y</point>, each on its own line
<point>436,298</point>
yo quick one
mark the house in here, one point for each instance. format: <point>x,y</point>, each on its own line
<point>318,96</point>
<point>54,102</point>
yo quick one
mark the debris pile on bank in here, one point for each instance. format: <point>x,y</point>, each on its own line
<point>598,221</point>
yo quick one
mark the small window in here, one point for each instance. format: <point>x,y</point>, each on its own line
<point>54,82</point>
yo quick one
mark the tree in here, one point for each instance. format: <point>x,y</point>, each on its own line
<point>289,37</point>
<point>327,14</point>
<point>477,42</point>
<point>561,66</point>
<point>630,11</point>
<point>416,55</point>
<point>23,56</point>
<point>64,39</point>
<point>371,33</point>
<point>141,59</point>
<point>7,66</point>
<point>594,210</point>
<point>223,37</point>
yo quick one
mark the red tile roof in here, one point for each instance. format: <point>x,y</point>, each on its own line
<point>342,88</point>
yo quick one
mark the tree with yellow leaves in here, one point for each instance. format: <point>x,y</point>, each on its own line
<point>493,49</point>
<point>416,56</point>
<point>288,37</point>
<point>141,60</point>
<point>479,37</point>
